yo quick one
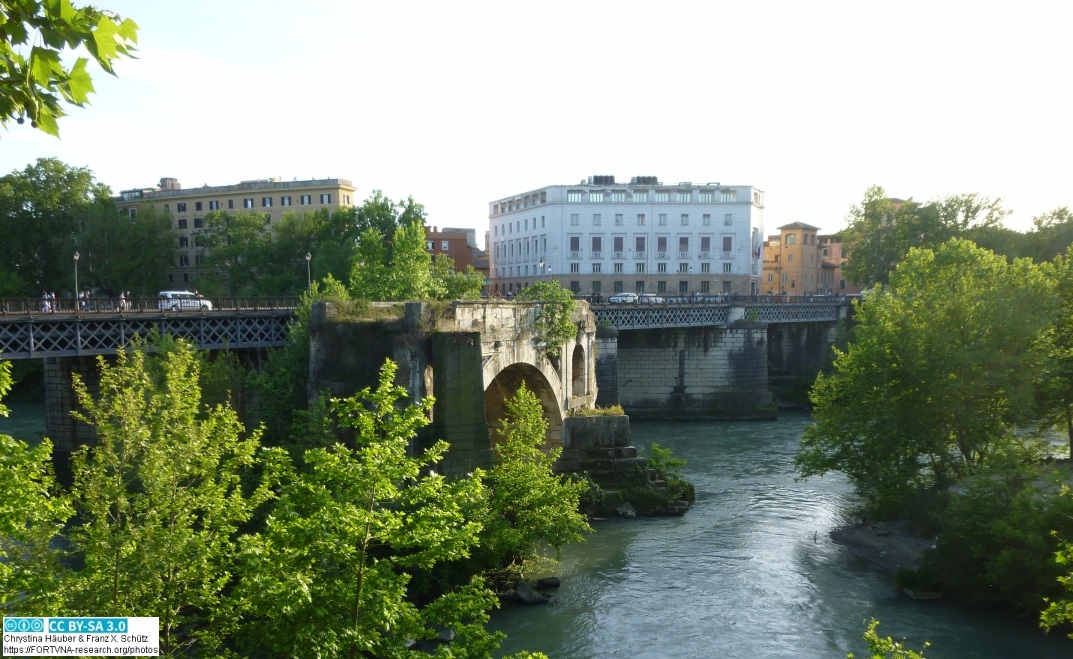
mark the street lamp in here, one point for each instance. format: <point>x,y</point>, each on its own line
<point>76,275</point>
<point>542,269</point>
<point>309,278</point>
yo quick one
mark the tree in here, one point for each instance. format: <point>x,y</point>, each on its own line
<point>881,230</point>
<point>941,367</point>
<point>887,648</point>
<point>456,285</point>
<point>1059,611</point>
<point>332,567</point>
<point>529,503</point>
<point>161,500</point>
<point>43,209</point>
<point>35,35</point>
<point>32,512</point>
<point>553,323</point>
<point>121,252</point>
<point>1056,371</point>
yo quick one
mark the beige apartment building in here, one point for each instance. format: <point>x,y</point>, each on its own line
<point>187,208</point>
<point>794,263</point>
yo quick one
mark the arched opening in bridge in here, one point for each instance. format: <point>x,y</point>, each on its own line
<point>578,373</point>
<point>506,385</point>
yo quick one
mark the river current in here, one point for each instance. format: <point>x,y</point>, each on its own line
<point>749,571</point>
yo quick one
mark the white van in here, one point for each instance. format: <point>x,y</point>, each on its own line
<point>183,301</point>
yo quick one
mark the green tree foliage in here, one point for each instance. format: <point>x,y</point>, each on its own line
<point>881,230</point>
<point>1051,235</point>
<point>1055,384</point>
<point>996,546</point>
<point>456,285</point>
<point>34,37</point>
<point>553,323</point>
<point>887,648</point>
<point>32,511</point>
<point>1059,610</point>
<point>530,505</point>
<point>332,567</point>
<point>160,498</point>
<point>281,384</point>
<point>120,253</point>
<point>941,366</point>
<point>235,245</point>
<point>43,209</point>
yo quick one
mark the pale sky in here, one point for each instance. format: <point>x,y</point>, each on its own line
<point>459,104</point>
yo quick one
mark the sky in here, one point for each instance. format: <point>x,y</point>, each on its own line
<point>459,104</point>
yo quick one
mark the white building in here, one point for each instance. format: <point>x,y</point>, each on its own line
<point>603,237</point>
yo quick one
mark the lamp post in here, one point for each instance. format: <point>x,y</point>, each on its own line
<point>691,280</point>
<point>309,278</point>
<point>542,269</point>
<point>76,277</point>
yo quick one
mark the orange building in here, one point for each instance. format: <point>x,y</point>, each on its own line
<point>794,263</point>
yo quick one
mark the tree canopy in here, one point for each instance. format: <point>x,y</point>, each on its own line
<point>34,37</point>
<point>941,367</point>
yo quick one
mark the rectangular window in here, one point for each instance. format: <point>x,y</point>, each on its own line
<point>661,286</point>
<point>661,247</point>
<point>181,207</point>
<point>683,247</point>
<point>266,202</point>
<point>640,219</point>
<point>618,248</point>
<point>639,268</point>
<point>639,245</point>
<point>596,267</point>
<point>325,198</point>
<point>683,267</point>
<point>705,244</point>
<point>705,267</point>
<point>683,287</point>
<point>197,222</point>
<point>704,288</point>
<point>661,267</point>
<point>618,219</point>
<point>575,287</point>
<point>444,245</point>
<point>182,224</point>
<point>640,196</point>
<point>728,243</point>
<point>166,209</point>
<point>771,277</point>
<point>595,197</point>
<point>230,203</point>
<point>663,219</point>
<point>789,258</point>
<point>214,205</point>
<point>197,205</point>
<point>575,219</point>
<point>663,197</point>
<point>685,219</point>
<point>306,200</point>
<point>285,200</point>
<point>706,197</point>
<point>573,196</point>
<point>728,196</point>
<point>597,247</point>
<point>575,243</point>
<point>617,286</point>
<point>685,196</point>
<point>247,202</point>
<point>596,220</point>
<point>197,260</point>
<point>618,267</point>
<point>706,220</point>
<point>727,267</point>
<point>728,219</point>
<point>618,195</point>
<point>184,261</point>
<point>575,267</point>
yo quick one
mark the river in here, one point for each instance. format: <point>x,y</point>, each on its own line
<point>749,571</point>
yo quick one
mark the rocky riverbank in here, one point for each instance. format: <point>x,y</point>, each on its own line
<point>887,544</point>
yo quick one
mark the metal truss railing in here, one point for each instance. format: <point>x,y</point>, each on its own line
<point>645,316</point>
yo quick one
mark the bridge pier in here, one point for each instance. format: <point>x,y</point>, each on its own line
<point>66,433</point>
<point>691,373</point>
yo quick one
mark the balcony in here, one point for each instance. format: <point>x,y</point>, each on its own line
<point>683,255</point>
<point>597,255</point>
<point>575,255</point>
<point>705,255</point>
<point>661,255</point>
<point>728,256</point>
<point>619,255</point>
<point>640,256</point>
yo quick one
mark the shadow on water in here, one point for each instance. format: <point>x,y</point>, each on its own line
<point>749,571</point>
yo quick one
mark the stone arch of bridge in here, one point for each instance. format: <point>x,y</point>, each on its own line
<point>506,384</point>
<point>579,374</point>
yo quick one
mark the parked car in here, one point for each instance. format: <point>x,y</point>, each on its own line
<point>183,301</point>
<point>623,298</point>
<point>650,298</point>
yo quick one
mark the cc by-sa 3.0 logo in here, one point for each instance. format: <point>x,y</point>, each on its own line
<point>24,625</point>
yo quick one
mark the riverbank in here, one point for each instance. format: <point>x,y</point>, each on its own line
<point>887,544</point>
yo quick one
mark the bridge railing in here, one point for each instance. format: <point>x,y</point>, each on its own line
<point>27,306</point>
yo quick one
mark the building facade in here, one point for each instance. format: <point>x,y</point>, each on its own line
<point>187,208</point>
<point>600,237</point>
<point>795,263</point>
